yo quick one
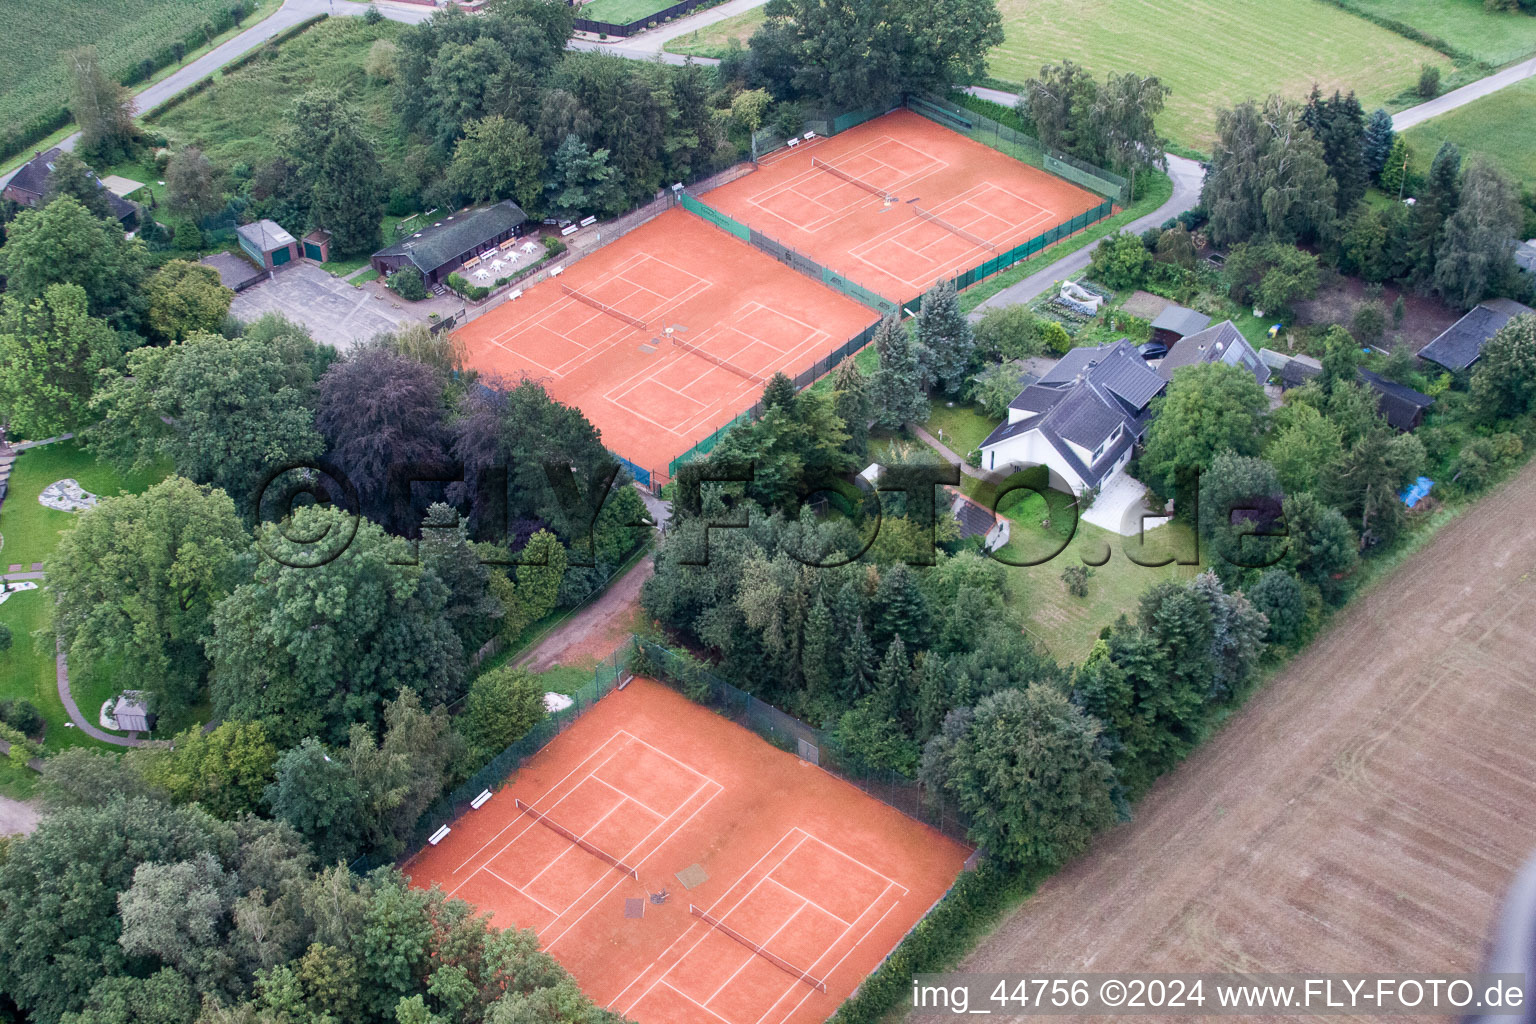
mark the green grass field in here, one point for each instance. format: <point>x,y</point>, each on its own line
<point>125,33</point>
<point>1212,53</point>
<point>31,531</point>
<point>1501,126</point>
<point>715,40</point>
<point>621,12</point>
<point>960,426</point>
<point>1494,38</point>
<point>236,120</point>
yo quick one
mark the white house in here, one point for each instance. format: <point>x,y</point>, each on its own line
<point>1081,420</point>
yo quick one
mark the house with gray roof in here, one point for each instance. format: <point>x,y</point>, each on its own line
<point>1459,345</point>
<point>1081,420</point>
<point>1177,322</point>
<point>1223,343</point>
<point>443,247</point>
<point>29,185</point>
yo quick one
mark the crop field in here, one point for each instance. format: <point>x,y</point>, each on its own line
<point>1359,810</point>
<point>1493,37</point>
<point>236,119</point>
<point>1500,126</point>
<point>124,32</point>
<point>1212,53</point>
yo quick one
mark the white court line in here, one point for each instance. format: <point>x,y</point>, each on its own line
<point>833,969</point>
<point>572,846</point>
<point>695,1002</point>
<point>631,799</point>
<point>718,790</point>
<point>699,924</point>
<point>752,955</point>
<point>866,867</point>
<point>520,817</point>
<point>519,890</point>
<point>808,902</point>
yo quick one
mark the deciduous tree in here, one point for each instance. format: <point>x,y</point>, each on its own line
<point>51,350</point>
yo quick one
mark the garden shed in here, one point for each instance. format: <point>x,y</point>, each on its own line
<point>267,243</point>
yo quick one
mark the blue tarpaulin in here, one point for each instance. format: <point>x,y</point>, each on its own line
<point>1420,488</point>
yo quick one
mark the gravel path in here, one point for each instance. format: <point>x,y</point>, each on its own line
<point>61,671</point>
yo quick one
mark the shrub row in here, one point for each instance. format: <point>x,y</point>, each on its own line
<point>1407,32</point>
<point>241,61</point>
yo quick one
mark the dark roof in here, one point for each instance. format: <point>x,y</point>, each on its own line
<point>975,520</point>
<point>1400,404</point>
<point>1083,399</point>
<point>1459,345</point>
<point>1180,320</point>
<point>1222,343</point>
<point>32,177</point>
<point>455,235</point>
<point>1296,373</point>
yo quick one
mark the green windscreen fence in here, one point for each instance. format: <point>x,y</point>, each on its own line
<point>715,217</point>
<point>1024,148</point>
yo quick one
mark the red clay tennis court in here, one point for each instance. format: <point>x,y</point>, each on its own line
<point>924,203</point>
<point>664,335</point>
<point>786,885</point>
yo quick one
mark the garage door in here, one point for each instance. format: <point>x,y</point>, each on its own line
<point>281,256</point>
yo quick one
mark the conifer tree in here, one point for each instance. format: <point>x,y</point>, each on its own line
<point>858,661</point>
<point>779,394</point>
<point>946,335</point>
<point>897,391</point>
<point>1378,143</point>
<point>850,388</point>
<point>817,651</point>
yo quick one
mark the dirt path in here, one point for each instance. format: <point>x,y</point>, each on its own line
<point>592,633</point>
<point>1365,811</point>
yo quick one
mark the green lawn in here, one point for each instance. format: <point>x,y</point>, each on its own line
<point>1494,38</point>
<point>959,425</point>
<point>29,530</point>
<point>1501,126</point>
<point>715,40</point>
<point>235,121</point>
<point>621,12</point>
<point>29,674</point>
<point>1213,53</point>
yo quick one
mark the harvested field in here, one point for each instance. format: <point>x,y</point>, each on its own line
<point>1365,811</point>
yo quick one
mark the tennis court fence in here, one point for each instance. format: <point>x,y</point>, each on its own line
<point>787,732</point>
<point>1024,148</point>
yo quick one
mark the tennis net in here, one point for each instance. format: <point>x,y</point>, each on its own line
<point>777,961</point>
<point>947,226</point>
<point>573,837</point>
<point>839,172</point>
<point>589,300</point>
<point>680,343</point>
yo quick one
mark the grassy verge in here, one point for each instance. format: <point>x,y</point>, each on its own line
<point>715,40</point>
<point>1462,28</point>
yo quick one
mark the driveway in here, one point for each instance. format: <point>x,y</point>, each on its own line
<point>1120,506</point>
<point>335,312</point>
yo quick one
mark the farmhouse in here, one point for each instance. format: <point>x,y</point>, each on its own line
<point>30,183</point>
<point>1080,420</point>
<point>267,243</point>
<point>439,250</point>
<point>1459,345</point>
<point>1177,322</point>
<point>1223,343</point>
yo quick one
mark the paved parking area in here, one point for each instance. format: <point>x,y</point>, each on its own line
<point>334,311</point>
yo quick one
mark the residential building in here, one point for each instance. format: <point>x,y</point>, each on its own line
<point>1223,343</point>
<point>29,185</point>
<point>1081,419</point>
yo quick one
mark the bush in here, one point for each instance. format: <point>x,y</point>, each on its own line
<point>1055,337</point>
<point>407,283</point>
<point>1429,81</point>
<point>1076,579</point>
<point>22,715</point>
<point>460,284</point>
<point>372,15</point>
<point>1120,261</point>
<point>1369,323</point>
<point>553,247</point>
<point>5,637</point>
<point>1008,332</point>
